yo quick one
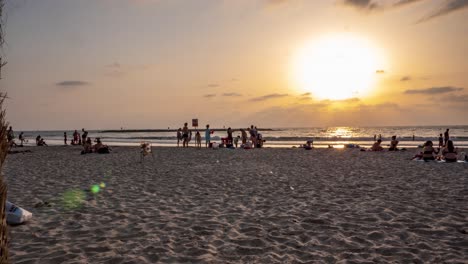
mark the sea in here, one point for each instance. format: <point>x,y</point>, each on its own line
<point>337,137</point>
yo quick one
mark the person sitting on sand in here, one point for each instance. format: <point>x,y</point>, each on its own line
<point>41,142</point>
<point>449,153</point>
<point>308,145</point>
<point>393,144</point>
<point>428,151</point>
<point>376,146</point>
<point>87,147</point>
<point>101,148</point>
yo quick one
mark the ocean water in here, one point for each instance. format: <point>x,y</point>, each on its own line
<point>279,137</point>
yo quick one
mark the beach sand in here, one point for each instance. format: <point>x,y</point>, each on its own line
<point>237,206</point>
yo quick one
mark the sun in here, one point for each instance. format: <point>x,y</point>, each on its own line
<point>336,67</point>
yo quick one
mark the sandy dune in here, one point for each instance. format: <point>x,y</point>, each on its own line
<point>237,206</point>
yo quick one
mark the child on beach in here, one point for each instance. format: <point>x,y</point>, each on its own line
<point>198,139</point>
<point>236,140</point>
<point>179,136</point>
<point>441,141</point>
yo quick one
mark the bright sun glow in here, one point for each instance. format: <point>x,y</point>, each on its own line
<point>337,67</point>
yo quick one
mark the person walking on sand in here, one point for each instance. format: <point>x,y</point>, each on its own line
<point>198,140</point>
<point>446,137</point>
<point>65,138</point>
<point>207,136</point>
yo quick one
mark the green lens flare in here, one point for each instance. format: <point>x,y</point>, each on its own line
<point>73,199</point>
<point>95,189</point>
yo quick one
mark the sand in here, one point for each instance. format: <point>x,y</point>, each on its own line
<point>237,206</point>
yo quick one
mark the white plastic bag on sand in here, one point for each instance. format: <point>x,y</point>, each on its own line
<point>16,215</point>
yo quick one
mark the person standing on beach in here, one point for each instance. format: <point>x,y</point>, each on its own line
<point>446,137</point>
<point>375,138</point>
<point>65,138</point>
<point>441,141</point>
<point>84,136</point>
<point>229,138</point>
<point>207,136</point>
<point>185,135</point>
<point>10,134</point>
<point>75,138</point>
<point>179,136</point>
<point>243,136</point>
<point>21,139</point>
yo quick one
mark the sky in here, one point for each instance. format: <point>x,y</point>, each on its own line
<point>107,64</point>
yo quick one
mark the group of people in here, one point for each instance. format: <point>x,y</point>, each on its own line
<point>378,147</point>
<point>77,138</point>
<point>249,138</point>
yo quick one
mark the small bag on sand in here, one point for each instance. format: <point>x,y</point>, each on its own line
<point>16,215</point>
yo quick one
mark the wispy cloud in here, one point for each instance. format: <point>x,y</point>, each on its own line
<point>434,90</point>
<point>232,94</point>
<point>380,71</point>
<point>457,98</point>
<point>365,5</point>
<point>405,78</point>
<point>268,97</point>
<point>72,83</point>
<point>447,8</point>
<point>114,65</point>
<point>405,2</point>
<point>209,95</point>
<point>213,85</point>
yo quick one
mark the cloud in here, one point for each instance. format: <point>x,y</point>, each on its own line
<point>405,78</point>
<point>365,5</point>
<point>306,94</point>
<point>209,95</point>
<point>380,71</point>
<point>268,97</point>
<point>232,94</point>
<point>71,83</point>
<point>434,90</point>
<point>405,2</point>
<point>447,8</point>
<point>114,65</point>
<point>276,2</point>
<point>213,85</point>
<point>457,98</point>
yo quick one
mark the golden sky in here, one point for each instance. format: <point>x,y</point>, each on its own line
<point>279,63</point>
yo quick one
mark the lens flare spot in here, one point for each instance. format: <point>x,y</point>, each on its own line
<point>95,189</point>
<point>73,199</point>
<point>102,185</point>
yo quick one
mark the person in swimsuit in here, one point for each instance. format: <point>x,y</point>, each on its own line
<point>393,144</point>
<point>428,151</point>
<point>21,139</point>
<point>449,153</point>
<point>441,141</point>
<point>198,139</point>
<point>65,138</point>
<point>253,136</point>
<point>75,138</point>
